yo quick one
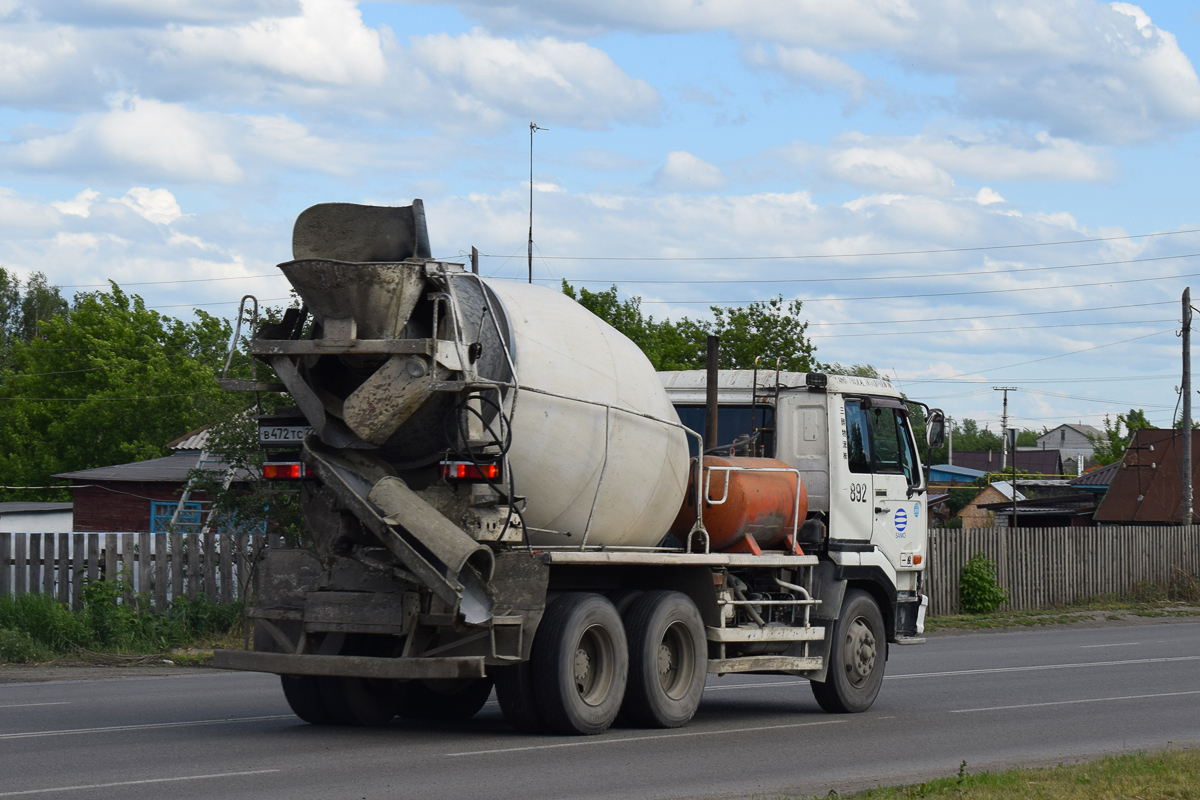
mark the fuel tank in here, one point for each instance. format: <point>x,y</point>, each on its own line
<point>756,497</point>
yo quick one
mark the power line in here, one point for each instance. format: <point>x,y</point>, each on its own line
<point>860,255</point>
<point>1048,358</point>
<point>163,283</point>
<point>857,278</point>
<point>999,316</point>
<point>985,330</point>
<point>935,294</point>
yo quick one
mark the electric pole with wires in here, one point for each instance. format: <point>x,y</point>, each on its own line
<point>1004,426</point>
<point>533,128</point>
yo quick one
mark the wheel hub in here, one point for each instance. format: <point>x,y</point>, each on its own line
<point>860,652</point>
<point>583,669</point>
<point>665,661</point>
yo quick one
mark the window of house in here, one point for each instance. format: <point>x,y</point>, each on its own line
<point>162,512</point>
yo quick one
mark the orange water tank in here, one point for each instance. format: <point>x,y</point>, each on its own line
<point>759,507</point>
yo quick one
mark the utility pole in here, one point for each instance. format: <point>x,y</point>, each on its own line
<point>1004,425</point>
<point>532,129</point>
<point>1186,466</point>
<point>950,440</point>
<point>1011,435</point>
<point>474,260</point>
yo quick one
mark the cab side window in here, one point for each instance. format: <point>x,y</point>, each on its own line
<point>858,437</point>
<point>892,445</point>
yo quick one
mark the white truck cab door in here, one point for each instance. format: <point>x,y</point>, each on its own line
<point>896,504</point>
<point>851,490</point>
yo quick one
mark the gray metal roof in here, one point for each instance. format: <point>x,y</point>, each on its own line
<point>194,440</point>
<point>1101,476</point>
<point>169,469</point>
<point>34,508</point>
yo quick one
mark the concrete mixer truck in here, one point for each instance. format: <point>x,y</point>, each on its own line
<point>499,492</point>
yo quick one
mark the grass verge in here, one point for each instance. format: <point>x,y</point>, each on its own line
<point>110,627</point>
<point>1101,609</point>
<point>1172,774</point>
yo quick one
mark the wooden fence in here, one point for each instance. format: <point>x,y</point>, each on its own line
<point>1045,567</point>
<point>158,566</point>
<point>1040,567</point>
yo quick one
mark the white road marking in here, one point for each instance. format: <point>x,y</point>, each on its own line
<point>623,739</point>
<point>1075,702</point>
<point>148,726</point>
<point>1035,668</point>
<point>1118,644</point>
<point>31,705</point>
<point>138,783</point>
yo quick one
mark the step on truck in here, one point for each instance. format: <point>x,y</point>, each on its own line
<point>500,492</point>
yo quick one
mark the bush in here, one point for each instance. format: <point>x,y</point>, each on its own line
<point>34,627</point>
<point>18,647</point>
<point>977,589</point>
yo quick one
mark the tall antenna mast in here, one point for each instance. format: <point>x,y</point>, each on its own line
<point>533,127</point>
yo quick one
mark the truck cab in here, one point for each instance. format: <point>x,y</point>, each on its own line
<point>852,440</point>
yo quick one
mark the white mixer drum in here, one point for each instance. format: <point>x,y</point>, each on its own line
<point>571,365</point>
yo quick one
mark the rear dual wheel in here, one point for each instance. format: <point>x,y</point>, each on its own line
<point>668,657</point>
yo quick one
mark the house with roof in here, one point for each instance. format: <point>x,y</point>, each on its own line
<point>1031,461</point>
<point>977,514</point>
<point>35,517</point>
<point>141,496</point>
<point>1074,443</point>
<point>1146,486</point>
<point>952,473</point>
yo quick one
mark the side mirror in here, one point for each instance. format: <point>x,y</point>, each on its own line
<point>935,429</point>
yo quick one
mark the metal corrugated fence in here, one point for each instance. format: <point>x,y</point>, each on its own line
<point>1044,567</point>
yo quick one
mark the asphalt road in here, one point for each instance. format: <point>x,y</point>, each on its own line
<point>993,700</point>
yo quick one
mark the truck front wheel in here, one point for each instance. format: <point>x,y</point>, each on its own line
<point>580,664</point>
<point>857,653</point>
<point>668,658</point>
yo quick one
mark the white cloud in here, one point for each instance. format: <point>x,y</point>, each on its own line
<point>477,76</point>
<point>157,205</point>
<point>816,70</point>
<point>683,171</point>
<point>1079,68</point>
<point>986,197</point>
<point>888,169</point>
<point>80,206</point>
<point>141,138</point>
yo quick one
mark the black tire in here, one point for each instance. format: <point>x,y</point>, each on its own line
<point>451,700</point>
<point>580,664</point>
<point>668,660</point>
<point>303,694</point>
<point>514,690</point>
<point>857,654</point>
<point>624,598</point>
<point>360,702</point>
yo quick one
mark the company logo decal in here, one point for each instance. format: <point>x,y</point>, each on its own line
<point>916,510</point>
<point>901,520</point>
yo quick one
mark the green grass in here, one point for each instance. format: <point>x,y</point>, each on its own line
<point>36,628</point>
<point>1104,608</point>
<point>1174,774</point>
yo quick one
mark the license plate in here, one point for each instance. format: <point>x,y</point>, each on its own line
<point>283,434</point>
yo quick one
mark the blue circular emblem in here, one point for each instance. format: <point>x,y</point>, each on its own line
<point>901,519</point>
<point>916,510</point>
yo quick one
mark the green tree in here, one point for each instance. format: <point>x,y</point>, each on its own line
<point>106,382</point>
<point>1111,445</point>
<point>771,329</point>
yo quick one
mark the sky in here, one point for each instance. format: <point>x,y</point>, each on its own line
<point>963,195</point>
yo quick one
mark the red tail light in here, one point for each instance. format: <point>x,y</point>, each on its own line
<point>286,471</point>
<point>467,471</point>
